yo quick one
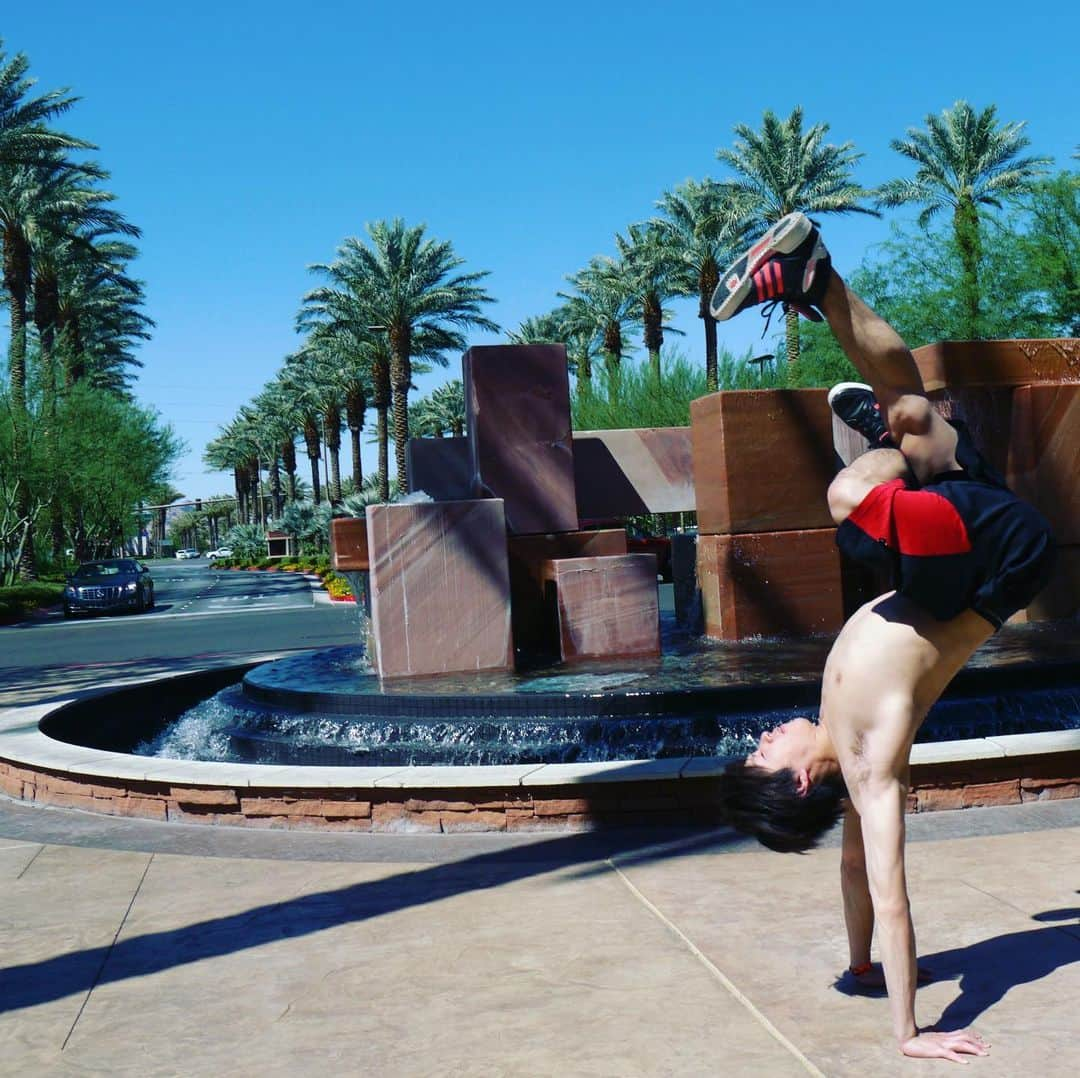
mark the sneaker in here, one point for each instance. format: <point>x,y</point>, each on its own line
<point>857,406</point>
<point>788,265</point>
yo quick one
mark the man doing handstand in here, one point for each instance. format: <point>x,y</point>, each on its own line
<point>964,554</point>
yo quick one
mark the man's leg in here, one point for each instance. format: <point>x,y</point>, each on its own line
<point>880,355</point>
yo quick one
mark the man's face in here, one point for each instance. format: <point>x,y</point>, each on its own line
<point>789,745</point>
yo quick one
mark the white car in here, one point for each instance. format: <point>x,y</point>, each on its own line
<point>187,553</point>
<point>221,552</point>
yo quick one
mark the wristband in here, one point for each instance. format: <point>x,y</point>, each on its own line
<point>858,971</point>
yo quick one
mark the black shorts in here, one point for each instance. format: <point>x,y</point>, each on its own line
<point>961,541</point>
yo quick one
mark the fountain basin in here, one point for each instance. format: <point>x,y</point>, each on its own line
<point>47,757</point>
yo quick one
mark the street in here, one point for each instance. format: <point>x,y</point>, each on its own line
<point>202,617</point>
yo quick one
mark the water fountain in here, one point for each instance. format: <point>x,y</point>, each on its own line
<point>518,671</point>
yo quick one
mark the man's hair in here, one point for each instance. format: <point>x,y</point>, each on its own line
<point>768,806</point>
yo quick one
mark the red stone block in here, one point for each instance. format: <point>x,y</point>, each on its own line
<point>763,460</point>
<point>440,467</point>
<point>950,364</point>
<point>607,606</point>
<point>770,584</point>
<point>620,473</point>
<point>440,588</point>
<point>349,544</point>
<point>517,406</point>
<point>535,619</point>
<point>1044,454</point>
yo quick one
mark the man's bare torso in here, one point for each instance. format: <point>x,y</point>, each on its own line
<point>888,666</point>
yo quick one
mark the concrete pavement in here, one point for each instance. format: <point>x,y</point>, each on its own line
<point>161,949</point>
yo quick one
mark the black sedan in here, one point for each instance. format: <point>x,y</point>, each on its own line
<point>112,584</point>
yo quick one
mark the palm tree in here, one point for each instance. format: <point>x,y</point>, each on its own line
<point>566,325</point>
<point>296,385</point>
<point>781,169</point>
<point>649,267</point>
<point>407,288</point>
<point>964,159</point>
<point>25,136</point>
<point>601,307</point>
<point>708,230</point>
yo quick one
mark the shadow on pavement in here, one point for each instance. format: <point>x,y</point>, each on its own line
<point>80,971</point>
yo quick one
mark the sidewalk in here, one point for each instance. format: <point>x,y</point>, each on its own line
<point>134,948</point>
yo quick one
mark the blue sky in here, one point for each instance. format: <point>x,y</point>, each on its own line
<point>248,139</point>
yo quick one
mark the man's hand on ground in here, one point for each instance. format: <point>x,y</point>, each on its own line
<point>952,1046</point>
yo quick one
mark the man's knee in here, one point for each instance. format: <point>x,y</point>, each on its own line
<point>911,413</point>
<point>846,493</point>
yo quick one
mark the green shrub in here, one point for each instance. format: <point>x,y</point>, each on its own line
<point>19,599</point>
<point>337,586</point>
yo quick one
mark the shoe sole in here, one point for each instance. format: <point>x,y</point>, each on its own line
<point>842,387</point>
<point>735,282</point>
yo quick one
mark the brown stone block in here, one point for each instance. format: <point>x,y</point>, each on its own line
<point>150,808</point>
<point>980,795</point>
<point>561,806</point>
<point>535,617</point>
<point>517,406</point>
<point>987,413</point>
<point>461,822</point>
<point>1061,597</point>
<point>345,810</point>
<point>935,799</point>
<point>997,363</point>
<point>349,544</point>
<point>440,589</point>
<point>413,804</point>
<point>192,796</point>
<point>607,606</point>
<point>1044,454</point>
<point>440,467</point>
<point>770,584</point>
<point>763,460</point>
<point>621,473</point>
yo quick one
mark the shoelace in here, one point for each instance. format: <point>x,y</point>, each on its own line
<point>767,312</point>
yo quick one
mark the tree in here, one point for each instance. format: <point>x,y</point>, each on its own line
<point>408,288</point>
<point>600,308</point>
<point>25,134</point>
<point>650,270</point>
<point>783,168</point>
<point>569,325</point>
<point>964,159</point>
<point>707,229</point>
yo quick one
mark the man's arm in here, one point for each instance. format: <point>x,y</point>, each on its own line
<point>858,909</point>
<point>880,803</point>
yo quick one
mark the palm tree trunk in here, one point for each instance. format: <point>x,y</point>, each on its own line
<point>275,487</point>
<point>791,318</point>
<point>707,282</point>
<point>332,423</point>
<point>288,460</point>
<point>383,439</point>
<point>584,371</point>
<point>357,463</point>
<point>653,332</point>
<point>45,307</point>
<point>968,241</point>
<point>16,283</point>
<point>311,441</point>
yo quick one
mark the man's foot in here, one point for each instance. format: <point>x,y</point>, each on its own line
<point>857,406</point>
<point>788,265</point>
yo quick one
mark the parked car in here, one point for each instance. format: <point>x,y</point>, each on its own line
<point>187,552</point>
<point>221,552</point>
<point>110,584</point>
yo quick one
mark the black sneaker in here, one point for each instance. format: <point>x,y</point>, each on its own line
<point>788,265</point>
<point>857,406</point>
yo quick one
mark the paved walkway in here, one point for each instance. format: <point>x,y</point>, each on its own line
<point>135,948</point>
